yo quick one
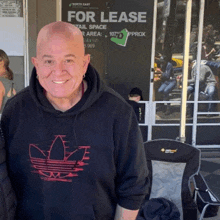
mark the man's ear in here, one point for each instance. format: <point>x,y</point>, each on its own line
<point>34,61</point>
<point>86,61</point>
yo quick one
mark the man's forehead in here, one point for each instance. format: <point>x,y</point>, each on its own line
<point>60,29</point>
<point>61,44</point>
<point>59,32</point>
<point>61,38</point>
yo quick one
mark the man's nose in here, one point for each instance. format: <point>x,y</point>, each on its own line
<point>59,68</point>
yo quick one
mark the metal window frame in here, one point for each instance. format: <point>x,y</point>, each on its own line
<point>26,44</point>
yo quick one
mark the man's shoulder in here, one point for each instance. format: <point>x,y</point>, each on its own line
<point>113,101</point>
<point>114,96</point>
<point>205,68</point>
<point>21,96</point>
<point>24,93</point>
<point>133,103</point>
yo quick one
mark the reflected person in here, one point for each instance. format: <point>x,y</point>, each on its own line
<point>7,89</point>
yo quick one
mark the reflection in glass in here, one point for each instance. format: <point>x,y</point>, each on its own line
<point>161,115</point>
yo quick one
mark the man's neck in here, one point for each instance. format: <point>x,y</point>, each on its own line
<point>64,104</point>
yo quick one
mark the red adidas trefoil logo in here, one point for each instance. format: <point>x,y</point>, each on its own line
<point>58,164</point>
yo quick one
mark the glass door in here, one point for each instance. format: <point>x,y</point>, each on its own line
<point>13,43</point>
<point>202,108</point>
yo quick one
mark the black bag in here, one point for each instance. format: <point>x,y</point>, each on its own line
<point>211,211</point>
<point>158,208</point>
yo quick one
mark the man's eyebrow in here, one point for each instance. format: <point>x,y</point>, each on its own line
<point>70,55</point>
<point>46,56</point>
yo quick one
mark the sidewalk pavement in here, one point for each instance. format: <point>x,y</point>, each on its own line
<point>210,169</point>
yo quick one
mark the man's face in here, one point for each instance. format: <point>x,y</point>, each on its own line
<point>135,98</point>
<point>60,65</point>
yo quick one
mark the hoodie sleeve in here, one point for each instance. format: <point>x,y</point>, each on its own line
<point>132,173</point>
<point>7,196</point>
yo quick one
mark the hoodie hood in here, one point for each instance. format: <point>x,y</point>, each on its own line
<point>95,89</point>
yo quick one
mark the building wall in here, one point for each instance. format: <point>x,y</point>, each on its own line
<point>40,13</point>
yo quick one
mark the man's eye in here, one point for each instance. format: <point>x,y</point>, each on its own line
<point>69,61</point>
<point>48,62</point>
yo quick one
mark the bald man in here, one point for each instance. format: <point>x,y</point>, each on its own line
<point>74,148</point>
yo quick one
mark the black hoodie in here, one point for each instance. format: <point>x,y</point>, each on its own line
<point>77,164</point>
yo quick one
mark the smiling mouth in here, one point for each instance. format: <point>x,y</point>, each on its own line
<point>60,82</point>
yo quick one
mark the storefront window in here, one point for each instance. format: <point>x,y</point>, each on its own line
<point>12,49</point>
<point>169,62</point>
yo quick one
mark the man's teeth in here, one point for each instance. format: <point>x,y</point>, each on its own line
<point>59,82</point>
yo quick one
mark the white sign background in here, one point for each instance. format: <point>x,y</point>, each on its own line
<point>12,35</point>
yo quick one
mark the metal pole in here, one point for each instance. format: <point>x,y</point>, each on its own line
<point>26,43</point>
<point>58,10</point>
<point>170,30</point>
<point>185,70</point>
<point>152,66</point>
<point>198,61</point>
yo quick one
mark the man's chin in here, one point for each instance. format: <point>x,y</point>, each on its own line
<point>58,95</point>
